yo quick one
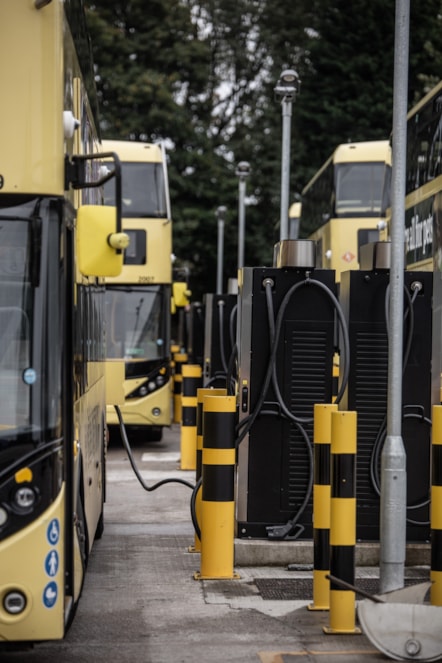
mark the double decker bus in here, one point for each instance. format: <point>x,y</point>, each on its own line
<point>57,242</point>
<point>341,204</point>
<point>423,183</point>
<point>138,301</point>
<point>423,210</point>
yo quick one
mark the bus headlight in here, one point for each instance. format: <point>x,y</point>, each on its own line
<point>151,385</point>
<point>14,602</point>
<point>24,498</point>
<point>3,516</point>
<point>142,391</point>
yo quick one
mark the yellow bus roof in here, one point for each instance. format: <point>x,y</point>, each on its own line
<point>295,211</point>
<point>130,150</point>
<point>375,150</point>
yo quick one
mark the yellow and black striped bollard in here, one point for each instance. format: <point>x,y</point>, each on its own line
<point>321,505</point>
<point>436,508</point>
<point>173,350</point>
<point>179,358</point>
<point>209,391</point>
<point>342,614</point>
<point>192,378</point>
<point>218,479</point>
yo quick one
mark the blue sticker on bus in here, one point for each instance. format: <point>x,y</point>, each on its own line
<point>53,531</point>
<point>50,594</point>
<point>29,376</point>
<point>51,563</point>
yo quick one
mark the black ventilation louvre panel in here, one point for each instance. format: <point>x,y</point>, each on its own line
<point>307,351</point>
<point>363,295</point>
<point>370,396</point>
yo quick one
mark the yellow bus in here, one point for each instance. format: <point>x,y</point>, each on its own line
<point>294,220</point>
<point>341,204</point>
<point>138,301</point>
<point>423,188</point>
<point>54,254</point>
<point>423,210</point>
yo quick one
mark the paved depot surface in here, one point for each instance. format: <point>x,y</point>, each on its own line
<point>141,603</point>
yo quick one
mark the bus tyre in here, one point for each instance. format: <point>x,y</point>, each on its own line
<point>154,434</point>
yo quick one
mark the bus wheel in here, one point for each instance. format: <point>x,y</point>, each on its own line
<point>80,524</point>
<point>154,434</point>
<point>100,525</point>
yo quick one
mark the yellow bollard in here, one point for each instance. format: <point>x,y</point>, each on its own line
<point>436,508</point>
<point>321,505</point>
<point>179,359</point>
<point>199,453</point>
<point>218,479</point>
<point>192,377</point>
<point>343,522</point>
<point>173,350</point>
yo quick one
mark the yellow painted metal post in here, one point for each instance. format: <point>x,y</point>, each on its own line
<point>173,350</point>
<point>218,479</point>
<point>436,508</point>
<point>199,453</point>
<point>192,378</point>
<point>321,505</point>
<point>179,358</point>
<point>343,522</point>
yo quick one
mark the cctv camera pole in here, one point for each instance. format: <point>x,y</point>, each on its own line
<point>242,171</point>
<point>393,460</point>
<point>220,214</point>
<point>285,167</point>
<point>286,89</point>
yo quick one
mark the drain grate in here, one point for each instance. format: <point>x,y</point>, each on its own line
<point>301,589</point>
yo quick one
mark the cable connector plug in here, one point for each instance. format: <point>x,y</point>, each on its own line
<point>289,531</point>
<point>416,286</point>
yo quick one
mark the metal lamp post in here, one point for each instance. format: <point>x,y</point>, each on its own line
<point>393,507</point>
<point>285,90</point>
<point>220,215</point>
<point>242,172</point>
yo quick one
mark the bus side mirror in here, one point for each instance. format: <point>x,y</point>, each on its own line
<point>99,247</point>
<point>181,293</point>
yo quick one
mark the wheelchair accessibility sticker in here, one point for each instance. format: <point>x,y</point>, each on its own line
<point>50,593</point>
<point>52,563</point>
<point>53,532</point>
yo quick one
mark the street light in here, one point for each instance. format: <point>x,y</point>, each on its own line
<point>242,171</point>
<point>285,90</point>
<point>220,215</point>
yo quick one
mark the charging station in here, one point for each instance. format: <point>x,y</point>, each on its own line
<point>219,336</point>
<point>292,304</point>
<point>364,300</point>
<point>195,317</point>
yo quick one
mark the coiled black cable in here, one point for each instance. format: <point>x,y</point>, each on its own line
<point>134,466</point>
<point>246,424</point>
<point>375,462</point>
<point>382,432</point>
<point>222,352</point>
